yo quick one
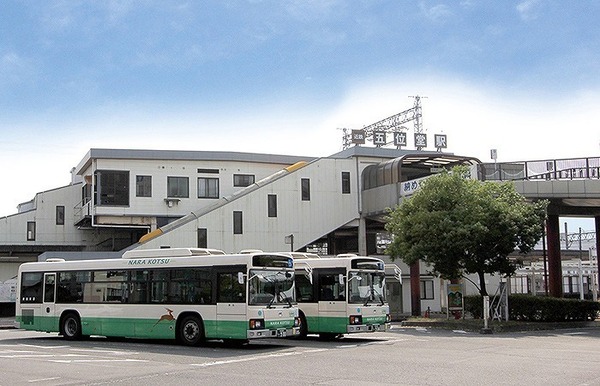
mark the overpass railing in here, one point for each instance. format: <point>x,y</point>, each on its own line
<point>558,169</point>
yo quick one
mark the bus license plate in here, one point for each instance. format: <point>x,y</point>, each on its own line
<point>281,333</point>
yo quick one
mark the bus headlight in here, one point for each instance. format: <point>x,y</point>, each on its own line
<point>257,324</point>
<point>388,318</point>
<point>355,319</point>
<point>297,322</point>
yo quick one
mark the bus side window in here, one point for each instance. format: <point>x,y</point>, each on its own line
<point>229,289</point>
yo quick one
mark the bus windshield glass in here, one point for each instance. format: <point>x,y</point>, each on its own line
<point>367,287</point>
<point>271,288</point>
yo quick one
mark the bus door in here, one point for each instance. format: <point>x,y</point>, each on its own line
<point>331,293</point>
<point>48,321</point>
<point>232,321</point>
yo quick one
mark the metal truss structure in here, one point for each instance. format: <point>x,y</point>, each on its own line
<point>391,124</point>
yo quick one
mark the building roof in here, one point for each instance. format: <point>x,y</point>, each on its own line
<point>186,155</point>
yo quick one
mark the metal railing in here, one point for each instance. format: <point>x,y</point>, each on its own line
<point>558,169</point>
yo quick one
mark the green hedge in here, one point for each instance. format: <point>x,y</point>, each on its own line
<point>539,308</point>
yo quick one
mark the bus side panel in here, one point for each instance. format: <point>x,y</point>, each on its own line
<point>334,322</point>
<point>31,318</point>
<point>232,321</point>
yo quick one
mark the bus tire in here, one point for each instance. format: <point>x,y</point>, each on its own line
<point>70,326</point>
<point>303,326</point>
<point>190,331</point>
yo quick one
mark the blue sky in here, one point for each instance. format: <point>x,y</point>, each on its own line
<point>283,76</point>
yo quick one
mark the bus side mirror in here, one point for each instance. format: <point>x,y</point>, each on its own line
<point>341,278</point>
<point>309,274</point>
<point>241,277</point>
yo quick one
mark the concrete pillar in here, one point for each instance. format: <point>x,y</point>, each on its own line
<point>554,260</point>
<point>362,237</point>
<point>415,288</point>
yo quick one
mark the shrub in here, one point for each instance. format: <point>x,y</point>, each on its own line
<point>539,308</point>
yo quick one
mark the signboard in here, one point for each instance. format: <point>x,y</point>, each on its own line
<point>440,141</point>
<point>358,137</point>
<point>455,297</point>
<point>420,140</point>
<point>379,138</point>
<point>400,138</point>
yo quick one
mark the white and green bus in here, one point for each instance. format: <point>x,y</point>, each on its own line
<point>340,295</point>
<point>185,294</point>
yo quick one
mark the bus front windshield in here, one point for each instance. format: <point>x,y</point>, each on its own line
<point>271,288</point>
<point>367,287</point>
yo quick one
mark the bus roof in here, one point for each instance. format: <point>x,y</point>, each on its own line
<point>171,252</point>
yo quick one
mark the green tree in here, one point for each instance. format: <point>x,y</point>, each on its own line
<point>463,226</point>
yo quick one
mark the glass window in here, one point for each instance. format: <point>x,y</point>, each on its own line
<point>143,186</point>
<point>178,187</point>
<point>426,289</point>
<point>208,187</point>
<point>270,287</point>
<point>71,286</point>
<point>30,230</point>
<point>190,286</point>
<point>304,288</point>
<point>242,180</point>
<point>202,238</point>
<point>330,287</point>
<point>345,182</point>
<point>112,187</point>
<point>367,287</point>
<point>49,282</point>
<point>230,289</point>
<point>31,287</point>
<point>272,205</point>
<point>305,188</point>
<point>237,223</point>
<point>60,215</point>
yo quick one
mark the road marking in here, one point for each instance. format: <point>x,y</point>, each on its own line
<point>95,360</point>
<point>253,358</point>
<point>43,379</point>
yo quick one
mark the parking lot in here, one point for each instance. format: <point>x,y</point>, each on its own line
<point>415,356</point>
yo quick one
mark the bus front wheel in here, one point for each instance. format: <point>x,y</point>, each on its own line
<point>70,327</point>
<point>191,331</point>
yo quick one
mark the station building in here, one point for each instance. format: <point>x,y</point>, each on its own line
<point>121,200</point>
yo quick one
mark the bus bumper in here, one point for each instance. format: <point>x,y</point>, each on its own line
<point>278,333</point>
<point>352,328</point>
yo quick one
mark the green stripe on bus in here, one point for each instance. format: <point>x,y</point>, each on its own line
<point>338,325</point>
<point>147,328</point>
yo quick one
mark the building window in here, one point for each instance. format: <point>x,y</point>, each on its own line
<point>272,205</point>
<point>60,215</point>
<point>202,238</point>
<point>30,230</point>
<point>305,187</point>
<point>178,187</point>
<point>237,223</point>
<point>112,187</point>
<point>427,289</point>
<point>243,180</point>
<point>208,187</point>
<point>143,186</point>
<point>208,171</point>
<point>345,182</point>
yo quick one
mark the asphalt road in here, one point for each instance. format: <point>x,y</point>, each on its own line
<point>407,356</point>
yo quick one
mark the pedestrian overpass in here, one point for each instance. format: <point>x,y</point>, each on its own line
<point>572,187</point>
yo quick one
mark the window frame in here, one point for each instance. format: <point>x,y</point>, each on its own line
<point>143,186</point>
<point>305,189</point>
<point>178,179</point>
<point>208,191</point>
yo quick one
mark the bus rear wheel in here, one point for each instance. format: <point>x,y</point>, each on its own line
<point>70,326</point>
<point>191,331</point>
<point>303,326</point>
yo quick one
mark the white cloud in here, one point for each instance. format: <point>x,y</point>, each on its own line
<point>528,9</point>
